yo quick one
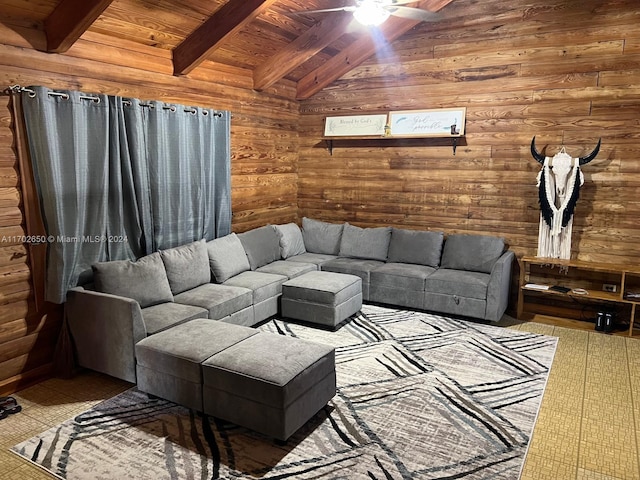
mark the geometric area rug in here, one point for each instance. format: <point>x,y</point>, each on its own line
<point>420,396</point>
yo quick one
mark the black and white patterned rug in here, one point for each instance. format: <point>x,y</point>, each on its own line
<point>420,396</point>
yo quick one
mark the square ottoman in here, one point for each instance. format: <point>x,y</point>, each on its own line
<point>325,298</point>
<point>168,363</point>
<point>269,383</point>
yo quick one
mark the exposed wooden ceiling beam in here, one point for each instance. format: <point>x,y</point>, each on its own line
<point>226,21</point>
<point>359,51</point>
<point>69,20</point>
<point>300,50</point>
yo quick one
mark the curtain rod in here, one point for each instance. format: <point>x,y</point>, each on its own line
<point>128,103</point>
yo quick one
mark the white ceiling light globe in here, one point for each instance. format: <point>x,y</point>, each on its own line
<point>370,12</point>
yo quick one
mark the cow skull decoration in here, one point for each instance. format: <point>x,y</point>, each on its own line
<point>559,183</point>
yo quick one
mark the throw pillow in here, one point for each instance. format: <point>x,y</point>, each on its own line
<point>262,246</point>
<point>187,266</point>
<point>144,280</point>
<point>474,253</point>
<point>227,257</point>
<point>415,246</point>
<point>321,237</point>
<point>291,241</point>
<point>368,243</point>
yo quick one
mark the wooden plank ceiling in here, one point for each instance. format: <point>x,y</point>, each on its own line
<point>270,38</point>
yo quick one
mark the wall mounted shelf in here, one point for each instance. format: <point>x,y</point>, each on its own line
<point>390,139</point>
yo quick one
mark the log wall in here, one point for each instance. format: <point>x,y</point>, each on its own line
<point>264,159</point>
<point>567,72</point>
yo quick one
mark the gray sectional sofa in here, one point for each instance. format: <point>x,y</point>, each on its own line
<point>238,279</point>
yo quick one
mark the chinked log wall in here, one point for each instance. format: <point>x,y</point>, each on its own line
<point>565,71</point>
<point>264,160</point>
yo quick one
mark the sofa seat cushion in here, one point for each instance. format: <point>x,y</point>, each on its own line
<point>262,285</point>
<point>288,269</point>
<point>403,276</point>
<point>459,283</point>
<point>220,300</point>
<point>354,266</point>
<point>318,259</point>
<point>165,315</point>
<point>187,266</point>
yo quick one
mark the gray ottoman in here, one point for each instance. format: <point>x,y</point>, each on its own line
<point>168,363</point>
<point>269,383</point>
<point>325,298</point>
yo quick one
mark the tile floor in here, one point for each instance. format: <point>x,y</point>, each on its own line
<point>588,427</point>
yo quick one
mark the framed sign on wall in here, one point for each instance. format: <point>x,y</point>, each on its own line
<point>439,122</point>
<point>355,125</point>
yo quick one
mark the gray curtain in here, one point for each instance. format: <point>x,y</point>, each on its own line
<point>119,178</point>
<point>181,144</point>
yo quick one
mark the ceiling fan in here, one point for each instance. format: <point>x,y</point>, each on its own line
<point>375,12</point>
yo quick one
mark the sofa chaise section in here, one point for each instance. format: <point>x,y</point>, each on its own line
<point>126,302</point>
<point>270,383</point>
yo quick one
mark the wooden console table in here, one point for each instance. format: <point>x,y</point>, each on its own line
<point>587,281</point>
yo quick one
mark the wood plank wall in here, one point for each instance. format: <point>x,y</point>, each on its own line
<point>264,159</point>
<point>567,72</point>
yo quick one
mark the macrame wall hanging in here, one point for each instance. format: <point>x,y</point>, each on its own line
<point>559,182</point>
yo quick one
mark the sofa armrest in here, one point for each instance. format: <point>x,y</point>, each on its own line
<point>105,329</point>
<point>499,286</point>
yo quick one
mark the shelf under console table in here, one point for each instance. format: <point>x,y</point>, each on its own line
<point>580,281</point>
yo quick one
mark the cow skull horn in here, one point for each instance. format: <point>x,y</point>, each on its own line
<point>537,155</point>
<point>591,156</point>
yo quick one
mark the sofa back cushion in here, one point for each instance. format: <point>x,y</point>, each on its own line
<point>474,253</point>
<point>415,246</point>
<point>369,243</point>
<point>262,246</point>
<point>187,266</point>
<point>227,257</point>
<point>321,237</point>
<point>144,280</point>
<point>291,241</point>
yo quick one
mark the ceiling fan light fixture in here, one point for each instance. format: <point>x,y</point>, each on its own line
<point>370,12</point>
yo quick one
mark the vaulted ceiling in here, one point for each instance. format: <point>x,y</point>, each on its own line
<point>272,39</point>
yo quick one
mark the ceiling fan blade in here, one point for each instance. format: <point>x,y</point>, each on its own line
<point>413,13</point>
<point>323,10</point>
